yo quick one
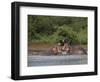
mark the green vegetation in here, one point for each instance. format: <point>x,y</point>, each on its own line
<point>50,29</point>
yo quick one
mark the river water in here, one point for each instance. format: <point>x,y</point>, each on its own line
<point>51,60</point>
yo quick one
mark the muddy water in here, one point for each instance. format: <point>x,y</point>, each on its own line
<point>46,49</point>
<point>37,46</point>
<point>37,49</point>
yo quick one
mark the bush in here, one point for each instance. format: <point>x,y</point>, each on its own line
<point>67,32</point>
<point>82,36</point>
<point>51,29</point>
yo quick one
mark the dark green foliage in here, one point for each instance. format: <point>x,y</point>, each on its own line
<point>68,33</point>
<point>51,29</point>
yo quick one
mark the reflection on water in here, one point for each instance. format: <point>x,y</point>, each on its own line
<point>34,60</point>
